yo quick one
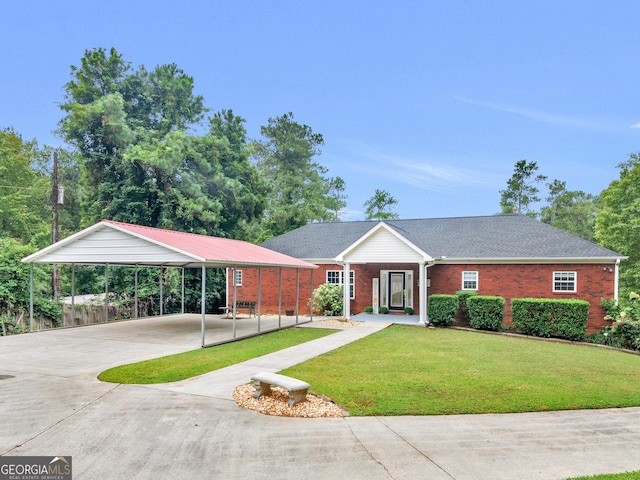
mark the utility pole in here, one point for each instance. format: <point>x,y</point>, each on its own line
<point>55,231</point>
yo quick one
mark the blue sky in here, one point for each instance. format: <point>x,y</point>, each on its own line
<point>433,101</point>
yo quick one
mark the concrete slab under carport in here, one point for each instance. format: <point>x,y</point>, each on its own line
<point>88,350</point>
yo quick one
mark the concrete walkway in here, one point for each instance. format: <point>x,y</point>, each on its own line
<point>51,404</point>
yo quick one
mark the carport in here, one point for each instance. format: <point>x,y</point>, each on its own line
<point>123,244</point>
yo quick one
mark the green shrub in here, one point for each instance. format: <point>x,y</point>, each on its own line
<point>542,317</point>
<point>408,310</point>
<point>442,309</point>
<point>463,296</point>
<point>327,299</point>
<point>368,309</point>
<point>486,313</point>
<point>624,331</point>
<point>383,310</point>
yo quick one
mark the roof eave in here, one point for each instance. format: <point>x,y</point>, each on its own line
<point>448,260</point>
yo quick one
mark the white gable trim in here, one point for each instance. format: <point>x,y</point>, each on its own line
<point>67,251</point>
<point>383,244</point>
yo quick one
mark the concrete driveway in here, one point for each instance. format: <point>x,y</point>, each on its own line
<point>52,404</point>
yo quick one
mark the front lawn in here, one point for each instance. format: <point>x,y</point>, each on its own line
<point>618,476</point>
<point>417,371</point>
<point>189,364</point>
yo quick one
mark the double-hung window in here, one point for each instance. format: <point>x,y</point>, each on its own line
<point>237,275</point>
<point>336,277</point>
<point>470,280</point>
<point>565,281</point>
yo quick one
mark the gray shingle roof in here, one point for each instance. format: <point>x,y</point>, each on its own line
<point>492,237</point>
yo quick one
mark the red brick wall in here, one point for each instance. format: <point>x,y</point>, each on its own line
<point>506,280</point>
<point>531,281</point>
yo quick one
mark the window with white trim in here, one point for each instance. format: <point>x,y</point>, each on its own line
<point>237,275</point>
<point>335,277</point>
<point>565,281</point>
<point>470,280</point>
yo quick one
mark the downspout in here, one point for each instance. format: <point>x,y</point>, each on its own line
<point>616,277</point>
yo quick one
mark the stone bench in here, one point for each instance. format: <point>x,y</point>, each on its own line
<point>297,388</point>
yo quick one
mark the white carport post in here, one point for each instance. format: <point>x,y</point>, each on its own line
<point>280,301</point>
<point>346,293</point>
<point>259,295</point>
<point>203,308</point>
<point>297,292</point>
<point>31,297</point>
<point>423,294</point>
<point>106,292</point>
<point>135,293</point>
<point>73,295</point>
<point>235,299</point>
<point>182,303</point>
<point>161,292</point>
<point>311,297</point>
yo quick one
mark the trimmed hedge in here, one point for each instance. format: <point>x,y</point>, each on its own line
<point>486,313</point>
<point>543,317</point>
<point>442,309</point>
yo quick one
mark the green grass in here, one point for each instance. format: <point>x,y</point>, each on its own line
<point>411,371</point>
<point>618,476</point>
<point>197,362</point>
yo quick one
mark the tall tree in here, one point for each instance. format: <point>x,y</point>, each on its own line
<point>571,211</point>
<point>618,221</point>
<point>138,162</point>
<point>337,198</point>
<point>24,204</point>
<point>521,189</point>
<point>378,206</point>
<point>299,189</point>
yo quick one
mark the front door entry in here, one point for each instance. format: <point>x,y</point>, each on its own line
<point>396,290</point>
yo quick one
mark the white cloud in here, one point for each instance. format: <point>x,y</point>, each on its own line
<point>537,115</point>
<point>635,125</point>
<point>441,176</point>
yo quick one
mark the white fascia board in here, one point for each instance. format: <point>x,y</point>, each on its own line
<point>382,225</point>
<point>455,261</point>
<point>320,261</point>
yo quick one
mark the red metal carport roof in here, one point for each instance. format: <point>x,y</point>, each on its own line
<point>139,245</point>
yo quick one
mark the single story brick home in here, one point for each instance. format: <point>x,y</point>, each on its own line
<point>399,263</point>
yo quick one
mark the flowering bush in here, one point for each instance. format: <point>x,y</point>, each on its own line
<point>327,299</point>
<point>624,331</point>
